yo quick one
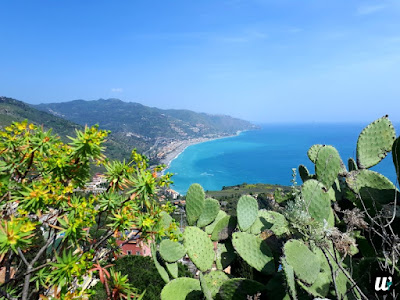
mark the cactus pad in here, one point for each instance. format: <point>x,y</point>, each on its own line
<point>374,189</point>
<point>225,255</point>
<point>183,288</point>
<point>254,251</point>
<point>352,164</point>
<point>210,228</point>
<point>328,165</point>
<point>194,203</point>
<point>375,142</point>
<point>239,289</point>
<point>205,288</point>
<point>271,220</point>
<point>247,210</point>
<point>320,287</point>
<point>214,280</point>
<point>157,262</point>
<point>171,251</point>
<point>396,157</point>
<point>305,264</point>
<point>316,199</point>
<point>304,173</point>
<point>224,228</point>
<point>289,276</point>
<point>313,152</point>
<point>199,247</point>
<point>165,220</point>
<point>210,212</point>
<point>172,269</point>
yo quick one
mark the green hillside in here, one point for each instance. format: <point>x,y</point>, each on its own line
<point>143,122</point>
<point>12,110</point>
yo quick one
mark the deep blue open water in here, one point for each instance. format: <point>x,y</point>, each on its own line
<point>266,155</point>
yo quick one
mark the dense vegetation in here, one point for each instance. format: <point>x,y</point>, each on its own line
<point>329,238</point>
<point>49,246</point>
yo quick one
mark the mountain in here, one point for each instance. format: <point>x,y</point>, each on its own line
<point>12,110</point>
<point>150,129</point>
<point>147,122</point>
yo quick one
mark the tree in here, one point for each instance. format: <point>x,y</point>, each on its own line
<point>56,238</point>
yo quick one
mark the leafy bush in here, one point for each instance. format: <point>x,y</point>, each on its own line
<point>56,239</point>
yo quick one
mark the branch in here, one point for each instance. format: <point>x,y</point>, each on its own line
<point>23,257</point>
<point>332,272</point>
<point>348,276</point>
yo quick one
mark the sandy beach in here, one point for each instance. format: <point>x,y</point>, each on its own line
<point>176,148</point>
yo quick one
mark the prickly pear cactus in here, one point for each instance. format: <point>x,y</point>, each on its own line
<point>271,220</point>
<point>239,289</point>
<point>210,212</point>
<point>157,262</point>
<point>304,173</point>
<point>199,248</point>
<point>317,200</point>
<point>205,288</point>
<point>181,289</point>
<point>305,263</point>
<point>224,228</point>
<point>166,221</point>
<point>225,255</point>
<point>172,269</point>
<point>372,188</point>
<point>210,228</point>
<point>171,251</point>
<point>375,142</point>
<point>289,276</point>
<point>214,280</point>
<point>195,198</point>
<point>313,152</point>
<point>254,251</point>
<point>247,210</point>
<point>396,157</point>
<point>327,165</point>
<point>352,164</point>
<point>320,287</point>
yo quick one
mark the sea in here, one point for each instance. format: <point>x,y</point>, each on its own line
<point>266,155</point>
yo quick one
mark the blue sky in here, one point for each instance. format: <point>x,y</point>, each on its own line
<point>261,60</point>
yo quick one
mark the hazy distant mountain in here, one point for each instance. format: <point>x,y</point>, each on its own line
<point>134,119</point>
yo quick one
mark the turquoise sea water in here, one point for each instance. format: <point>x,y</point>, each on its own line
<point>264,156</point>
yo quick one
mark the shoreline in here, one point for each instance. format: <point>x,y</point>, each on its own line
<point>182,145</point>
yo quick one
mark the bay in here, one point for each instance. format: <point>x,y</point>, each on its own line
<point>266,155</point>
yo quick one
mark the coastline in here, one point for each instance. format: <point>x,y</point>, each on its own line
<point>179,147</point>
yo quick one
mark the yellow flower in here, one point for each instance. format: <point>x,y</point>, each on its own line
<point>148,222</point>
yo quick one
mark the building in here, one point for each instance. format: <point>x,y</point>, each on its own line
<point>135,246</point>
